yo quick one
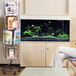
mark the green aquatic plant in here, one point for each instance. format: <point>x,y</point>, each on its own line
<point>63,35</point>
<point>28,33</point>
<point>37,28</point>
<point>52,34</point>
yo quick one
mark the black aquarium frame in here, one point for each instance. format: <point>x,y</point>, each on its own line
<point>43,38</point>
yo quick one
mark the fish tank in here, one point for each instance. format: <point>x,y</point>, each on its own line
<point>45,28</point>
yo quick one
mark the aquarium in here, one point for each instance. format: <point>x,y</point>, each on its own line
<point>45,30</point>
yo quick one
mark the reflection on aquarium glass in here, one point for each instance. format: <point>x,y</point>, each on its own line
<point>45,30</point>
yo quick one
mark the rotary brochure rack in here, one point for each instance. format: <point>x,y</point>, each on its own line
<point>11,34</point>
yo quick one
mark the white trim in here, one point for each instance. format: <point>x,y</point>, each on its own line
<point>44,17</point>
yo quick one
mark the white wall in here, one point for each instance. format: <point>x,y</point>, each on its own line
<point>72,8</point>
<point>72,13</point>
<point>46,7</point>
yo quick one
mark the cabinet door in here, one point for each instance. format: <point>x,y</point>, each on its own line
<point>73,44</point>
<point>51,49</point>
<point>32,53</point>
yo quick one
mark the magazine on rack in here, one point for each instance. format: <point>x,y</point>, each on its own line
<point>12,22</point>
<point>17,37</point>
<point>12,8</point>
<point>12,53</point>
<point>7,37</point>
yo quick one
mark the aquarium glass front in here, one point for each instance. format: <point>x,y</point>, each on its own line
<point>45,30</point>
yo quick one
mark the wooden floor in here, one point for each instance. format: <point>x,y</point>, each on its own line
<point>9,73</point>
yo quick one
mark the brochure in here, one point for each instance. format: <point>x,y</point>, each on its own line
<point>7,37</point>
<point>12,53</point>
<point>17,37</point>
<point>12,23</point>
<point>12,8</point>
